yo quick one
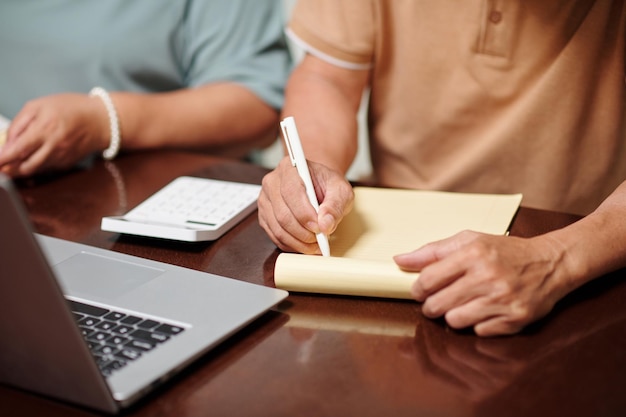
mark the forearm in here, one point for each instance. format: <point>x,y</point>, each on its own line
<point>593,246</point>
<point>222,118</point>
<point>324,101</point>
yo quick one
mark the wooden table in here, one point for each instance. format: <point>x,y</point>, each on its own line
<point>340,356</point>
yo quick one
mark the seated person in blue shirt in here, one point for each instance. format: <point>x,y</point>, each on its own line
<point>197,74</point>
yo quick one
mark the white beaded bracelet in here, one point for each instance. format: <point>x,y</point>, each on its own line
<point>114,145</point>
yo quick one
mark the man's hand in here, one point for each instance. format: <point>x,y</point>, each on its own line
<point>495,284</point>
<point>286,213</point>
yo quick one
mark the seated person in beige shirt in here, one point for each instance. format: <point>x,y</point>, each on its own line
<point>472,96</point>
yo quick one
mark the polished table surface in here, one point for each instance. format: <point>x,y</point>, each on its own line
<point>340,356</point>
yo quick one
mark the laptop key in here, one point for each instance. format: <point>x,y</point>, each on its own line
<point>169,329</point>
<point>130,320</point>
<point>114,316</point>
<point>149,336</point>
<point>87,309</point>
<point>87,331</point>
<point>122,329</point>
<point>98,337</point>
<point>105,325</point>
<point>89,321</point>
<point>141,345</point>
<point>111,366</point>
<point>105,350</point>
<point>117,340</point>
<point>102,360</point>
<point>148,324</point>
<point>128,354</point>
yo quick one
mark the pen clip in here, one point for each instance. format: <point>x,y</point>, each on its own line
<point>285,128</point>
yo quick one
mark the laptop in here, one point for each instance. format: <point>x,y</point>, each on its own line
<point>99,328</point>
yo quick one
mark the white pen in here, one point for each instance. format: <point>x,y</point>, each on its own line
<point>296,154</point>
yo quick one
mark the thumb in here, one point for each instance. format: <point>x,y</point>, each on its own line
<point>337,203</point>
<point>418,259</point>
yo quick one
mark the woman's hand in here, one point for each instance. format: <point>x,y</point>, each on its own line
<point>54,132</point>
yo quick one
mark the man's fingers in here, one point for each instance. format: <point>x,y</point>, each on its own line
<point>277,217</point>
<point>432,252</point>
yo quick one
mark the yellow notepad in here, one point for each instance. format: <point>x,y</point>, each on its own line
<point>386,222</point>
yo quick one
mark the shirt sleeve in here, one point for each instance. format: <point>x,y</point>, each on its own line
<point>341,32</point>
<point>238,41</point>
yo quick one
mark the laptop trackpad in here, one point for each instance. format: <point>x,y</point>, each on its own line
<point>88,274</point>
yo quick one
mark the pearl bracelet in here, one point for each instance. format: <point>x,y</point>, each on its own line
<point>114,145</point>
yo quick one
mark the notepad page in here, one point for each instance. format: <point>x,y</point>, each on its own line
<point>384,223</point>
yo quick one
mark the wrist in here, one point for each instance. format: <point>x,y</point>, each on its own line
<point>575,259</point>
<point>114,142</point>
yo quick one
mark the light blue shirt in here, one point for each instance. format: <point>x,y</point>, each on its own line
<point>54,46</point>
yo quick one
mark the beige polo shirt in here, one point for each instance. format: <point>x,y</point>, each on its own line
<point>494,96</point>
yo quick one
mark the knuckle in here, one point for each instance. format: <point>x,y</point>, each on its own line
<point>498,327</point>
<point>500,288</point>
<point>424,283</point>
<point>431,308</point>
<point>266,181</point>
<point>31,105</point>
<point>454,320</point>
<point>283,216</point>
<point>477,250</point>
<point>467,234</point>
<point>521,312</point>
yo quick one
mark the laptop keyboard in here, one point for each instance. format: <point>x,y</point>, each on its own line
<point>117,338</point>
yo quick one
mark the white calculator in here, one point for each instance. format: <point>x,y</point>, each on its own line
<point>188,209</point>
